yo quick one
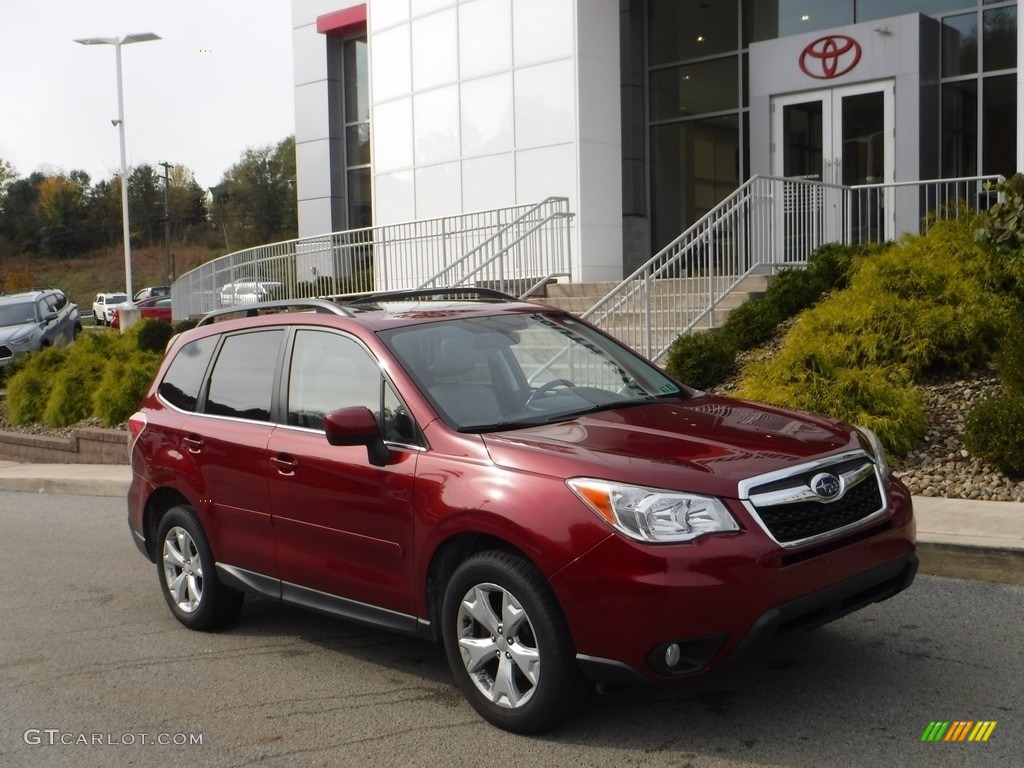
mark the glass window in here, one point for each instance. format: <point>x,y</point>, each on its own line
<point>330,371</point>
<point>695,89</point>
<point>960,129</point>
<point>798,16</point>
<point>868,10</point>
<point>692,29</point>
<point>1000,125</point>
<point>357,102</point>
<point>184,377</point>
<point>1000,38</point>
<point>242,382</point>
<point>360,204</point>
<point>695,165</point>
<point>960,45</point>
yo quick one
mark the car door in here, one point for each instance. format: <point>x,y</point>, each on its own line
<point>226,440</point>
<point>344,527</point>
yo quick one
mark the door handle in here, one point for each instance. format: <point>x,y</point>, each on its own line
<point>194,443</point>
<point>284,464</point>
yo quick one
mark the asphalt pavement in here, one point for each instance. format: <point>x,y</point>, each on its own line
<point>956,537</point>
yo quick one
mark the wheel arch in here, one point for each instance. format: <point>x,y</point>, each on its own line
<point>157,505</point>
<point>451,553</point>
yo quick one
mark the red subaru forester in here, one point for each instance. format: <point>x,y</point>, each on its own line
<point>502,477</point>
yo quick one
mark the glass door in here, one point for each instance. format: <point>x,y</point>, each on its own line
<point>839,136</point>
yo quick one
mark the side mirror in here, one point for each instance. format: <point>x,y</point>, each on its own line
<point>357,426</point>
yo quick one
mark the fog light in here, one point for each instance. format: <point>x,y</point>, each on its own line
<point>672,655</point>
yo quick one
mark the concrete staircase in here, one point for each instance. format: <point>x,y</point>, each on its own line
<point>674,303</point>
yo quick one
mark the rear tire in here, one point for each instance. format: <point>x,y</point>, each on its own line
<point>508,644</point>
<point>188,576</point>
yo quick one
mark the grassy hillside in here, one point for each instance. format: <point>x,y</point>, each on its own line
<point>82,277</point>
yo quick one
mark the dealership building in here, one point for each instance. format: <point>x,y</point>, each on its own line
<point>644,114</point>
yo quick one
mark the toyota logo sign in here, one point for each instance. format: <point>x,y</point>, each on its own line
<point>829,57</point>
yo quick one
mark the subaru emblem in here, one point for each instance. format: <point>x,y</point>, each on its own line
<point>826,486</point>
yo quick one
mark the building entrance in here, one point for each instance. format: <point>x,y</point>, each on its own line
<point>841,136</point>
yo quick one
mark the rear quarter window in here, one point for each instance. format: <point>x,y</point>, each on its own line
<point>184,378</point>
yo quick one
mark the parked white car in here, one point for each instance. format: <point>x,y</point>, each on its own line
<point>104,303</point>
<point>246,292</point>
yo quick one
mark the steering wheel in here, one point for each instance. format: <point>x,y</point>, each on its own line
<point>543,389</point>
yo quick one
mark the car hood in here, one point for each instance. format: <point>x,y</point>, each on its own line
<point>705,444</point>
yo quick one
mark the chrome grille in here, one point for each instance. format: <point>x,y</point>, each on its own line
<point>792,513</point>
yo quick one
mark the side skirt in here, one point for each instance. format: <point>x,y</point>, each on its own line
<point>322,602</point>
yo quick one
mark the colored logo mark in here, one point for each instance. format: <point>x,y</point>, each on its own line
<point>958,730</point>
<point>829,57</point>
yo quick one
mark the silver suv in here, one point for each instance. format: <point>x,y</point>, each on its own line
<point>35,319</point>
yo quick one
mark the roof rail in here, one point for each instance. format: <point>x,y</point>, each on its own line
<point>319,306</point>
<point>435,293</point>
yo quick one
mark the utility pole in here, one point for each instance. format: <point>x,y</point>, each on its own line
<point>168,268</point>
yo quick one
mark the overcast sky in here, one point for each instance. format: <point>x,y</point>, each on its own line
<point>219,82</point>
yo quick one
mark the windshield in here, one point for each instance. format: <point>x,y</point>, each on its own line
<point>516,370</point>
<point>17,314</point>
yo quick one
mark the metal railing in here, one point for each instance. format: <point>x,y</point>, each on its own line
<point>514,249</point>
<point>766,224</point>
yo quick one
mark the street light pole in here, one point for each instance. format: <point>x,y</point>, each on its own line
<point>117,42</point>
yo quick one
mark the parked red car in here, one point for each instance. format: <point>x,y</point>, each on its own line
<point>504,478</point>
<point>157,307</point>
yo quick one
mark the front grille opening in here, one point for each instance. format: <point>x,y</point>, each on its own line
<point>805,519</point>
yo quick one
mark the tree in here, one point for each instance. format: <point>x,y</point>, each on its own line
<point>255,202</point>
<point>7,175</point>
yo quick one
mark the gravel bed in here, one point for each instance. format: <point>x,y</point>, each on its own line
<point>939,466</point>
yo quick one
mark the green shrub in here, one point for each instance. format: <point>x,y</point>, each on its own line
<point>928,302</point>
<point>70,399</point>
<point>751,324</point>
<point>151,335</point>
<point>124,384</point>
<point>28,388</point>
<point>1010,358</point>
<point>184,325</point>
<point>1002,225</point>
<point>794,290</point>
<point>701,359</point>
<point>833,264</point>
<point>994,431</point>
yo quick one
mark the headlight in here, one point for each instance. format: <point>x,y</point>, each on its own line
<point>652,515</point>
<point>876,449</point>
<point>21,341</point>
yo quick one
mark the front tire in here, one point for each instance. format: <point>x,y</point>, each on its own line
<point>508,644</point>
<point>188,577</point>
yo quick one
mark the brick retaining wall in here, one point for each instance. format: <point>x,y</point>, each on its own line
<point>84,446</point>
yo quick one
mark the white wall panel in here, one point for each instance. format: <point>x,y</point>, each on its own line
<point>487,117</point>
<point>436,120</point>
<point>438,190</point>
<point>542,30</point>
<point>489,182</point>
<point>392,144</point>
<point>435,50</point>
<point>398,193</point>
<point>391,64</point>
<point>485,38</point>
<point>545,104</point>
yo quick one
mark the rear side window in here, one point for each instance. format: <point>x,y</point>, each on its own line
<point>242,382</point>
<point>181,384</point>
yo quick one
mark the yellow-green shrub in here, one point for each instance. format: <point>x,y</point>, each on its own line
<point>28,387</point>
<point>929,302</point>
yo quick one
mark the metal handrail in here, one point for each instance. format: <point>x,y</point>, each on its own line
<point>766,224</point>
